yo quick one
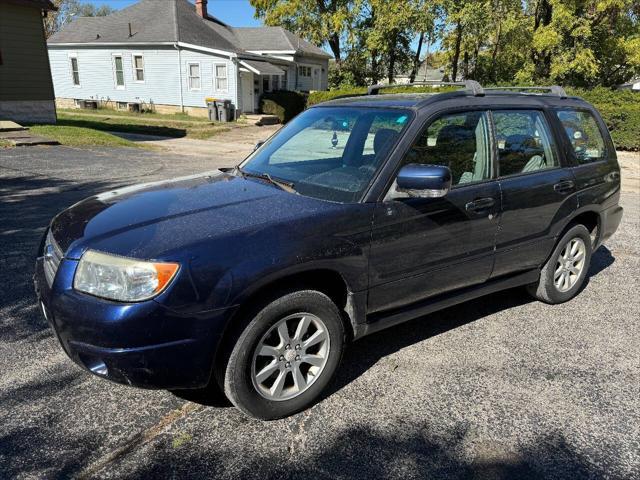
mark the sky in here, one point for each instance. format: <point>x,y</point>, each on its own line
<point>238,13</point>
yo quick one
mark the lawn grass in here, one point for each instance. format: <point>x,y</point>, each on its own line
<point>5,143</point>
<point>177,125</point>
<point>82,137</point>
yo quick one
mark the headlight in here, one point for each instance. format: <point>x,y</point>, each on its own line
<point>122,279</point>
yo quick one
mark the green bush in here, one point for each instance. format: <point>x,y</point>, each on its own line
<point>620,109</point>
<point>319,97</point>
<point>284,105</point>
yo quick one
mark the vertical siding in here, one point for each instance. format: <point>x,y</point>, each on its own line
<point>24,73</point>
<point>162,79</point>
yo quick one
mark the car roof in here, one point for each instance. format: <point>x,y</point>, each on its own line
<point>418,101</point>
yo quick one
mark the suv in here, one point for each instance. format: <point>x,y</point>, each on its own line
<point>359,214</point>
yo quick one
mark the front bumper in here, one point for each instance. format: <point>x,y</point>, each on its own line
<point>142,344</point>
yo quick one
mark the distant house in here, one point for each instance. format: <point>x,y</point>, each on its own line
<point>633,85</point>
<point>172,55</point>
<point>424,73</point>
<point>26,91</point>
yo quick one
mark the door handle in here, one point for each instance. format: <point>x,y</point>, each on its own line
<point>480,204</point>
<point>564,187</point>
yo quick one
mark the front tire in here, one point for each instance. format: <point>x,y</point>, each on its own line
<point>562,277</point>
<point>285,356</point>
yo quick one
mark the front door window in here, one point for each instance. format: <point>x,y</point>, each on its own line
<point>459,141</point>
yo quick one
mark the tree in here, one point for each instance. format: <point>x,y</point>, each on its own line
<point>579,42</point>
<point>70,9</point>
<point>584,42</point>
<point>318,21</point>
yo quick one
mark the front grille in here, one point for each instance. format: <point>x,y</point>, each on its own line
<point>52,257</point>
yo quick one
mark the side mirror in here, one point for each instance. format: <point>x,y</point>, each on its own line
<point>424,181</point>
<point>258,145</point>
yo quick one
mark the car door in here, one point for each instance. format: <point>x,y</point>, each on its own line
<point>425,246</point>
<point>537,190</point>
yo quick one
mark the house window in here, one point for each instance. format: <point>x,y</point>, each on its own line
<point>119,70</point>
<point>194,76</point>
<point>221,77</point>
<point>75,74</point>
<point>123,106</point>
<point>138,68</point>
<point>304,71</point>
<point>275,83</point>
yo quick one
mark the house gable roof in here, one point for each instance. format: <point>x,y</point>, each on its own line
<point>160,21</point>
<point>275,38</point>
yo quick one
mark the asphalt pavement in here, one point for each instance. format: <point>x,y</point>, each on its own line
<point>500,387</point>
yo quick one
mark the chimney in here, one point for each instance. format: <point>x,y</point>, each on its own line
<point>201,8</point>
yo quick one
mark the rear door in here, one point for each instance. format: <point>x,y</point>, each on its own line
<point>425,246</point>
<point>537,189</point>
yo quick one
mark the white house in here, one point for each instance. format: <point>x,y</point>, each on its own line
<point>172,55</point>
<point>633,85</point>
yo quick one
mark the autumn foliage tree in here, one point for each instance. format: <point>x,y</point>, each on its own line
<point>579,42</point>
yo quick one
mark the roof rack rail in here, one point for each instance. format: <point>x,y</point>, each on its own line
<point>553,89</point>
<point>471,86</point>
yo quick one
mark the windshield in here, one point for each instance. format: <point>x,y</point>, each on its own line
<point>330,153</point>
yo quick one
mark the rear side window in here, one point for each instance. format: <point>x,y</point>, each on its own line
<point>584,135</point>
<point>524,142</point>
<point>459,141</point>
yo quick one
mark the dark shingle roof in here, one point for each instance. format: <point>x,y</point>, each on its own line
<point>154,21</point>
<point>275,38</point>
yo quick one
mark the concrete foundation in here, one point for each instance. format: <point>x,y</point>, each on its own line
<point>158,108</point>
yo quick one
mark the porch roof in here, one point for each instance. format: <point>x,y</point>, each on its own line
<point>262,68</point>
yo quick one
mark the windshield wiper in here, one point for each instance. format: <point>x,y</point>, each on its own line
<point>286,186</point>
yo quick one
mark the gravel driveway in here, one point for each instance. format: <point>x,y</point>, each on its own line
<point>501,387</point>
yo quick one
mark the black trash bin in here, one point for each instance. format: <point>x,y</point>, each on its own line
<point>222,111</point>
<point>212,107</point>
<point>231,117</point>
<point>226,111</point>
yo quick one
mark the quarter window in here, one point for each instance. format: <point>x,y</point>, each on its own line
<point>194,76</point>
<point>459,141</point>
<point>75,73</point>
<point>525,143</point>
<point>138,67</point>
<point>584,135</point>
<point>119,70</point>
<point>221,77</point>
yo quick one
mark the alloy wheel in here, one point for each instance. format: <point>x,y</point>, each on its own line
<point>570,264</point>
<point>290,356</point>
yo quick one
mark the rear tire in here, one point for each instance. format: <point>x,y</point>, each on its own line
<point>562,277</point>
<point>285,356</point>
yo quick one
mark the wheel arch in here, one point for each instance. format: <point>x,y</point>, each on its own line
<point>326,280</point>
<point>590,218</point>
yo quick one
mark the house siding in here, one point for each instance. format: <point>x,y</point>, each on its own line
<point>161,84</point>
<point>26,92</point>
<point>306,83</point>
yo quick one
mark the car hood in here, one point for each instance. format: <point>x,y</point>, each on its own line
<point>153,219</point>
